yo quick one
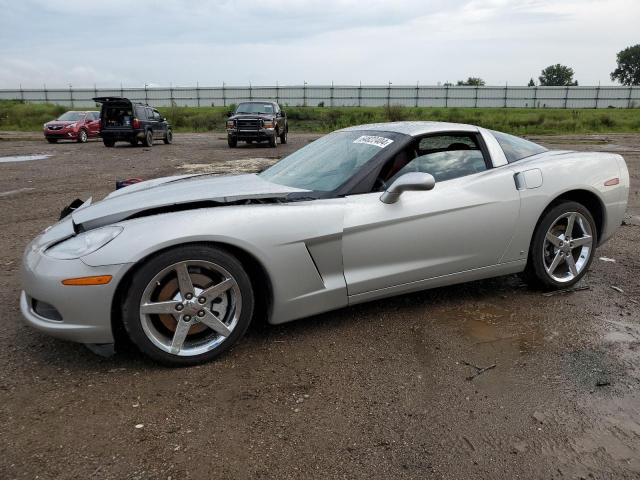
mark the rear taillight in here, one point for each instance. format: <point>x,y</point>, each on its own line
<point>135,123</point>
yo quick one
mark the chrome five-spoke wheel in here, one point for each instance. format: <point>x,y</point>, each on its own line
<point>567,247</point>
<point>187,305</point>
<point>562,246</point>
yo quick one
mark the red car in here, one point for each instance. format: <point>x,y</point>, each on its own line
<point>78,126</point>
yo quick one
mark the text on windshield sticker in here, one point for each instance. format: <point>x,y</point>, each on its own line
<point>374,140</point>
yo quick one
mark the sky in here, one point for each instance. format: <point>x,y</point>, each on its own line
<point>180,42</point>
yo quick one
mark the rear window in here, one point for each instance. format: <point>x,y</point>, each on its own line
<point>516,148</point>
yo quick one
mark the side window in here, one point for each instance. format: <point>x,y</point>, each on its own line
<point>516,148</point>
<point>140,113</point>
<point>149,114</point>
<point>156,115</point>
<point>444,156</point>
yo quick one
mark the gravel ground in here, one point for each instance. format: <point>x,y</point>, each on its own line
<point>380,390</point>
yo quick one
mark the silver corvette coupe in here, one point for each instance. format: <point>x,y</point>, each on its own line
<point>181,265</point>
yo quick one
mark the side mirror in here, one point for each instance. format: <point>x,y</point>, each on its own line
<point>282,112</point>
<point>412,181</point>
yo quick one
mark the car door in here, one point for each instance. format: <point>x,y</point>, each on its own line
<point>93,124</point>
<point>466,222</point>
<point>159,126</point>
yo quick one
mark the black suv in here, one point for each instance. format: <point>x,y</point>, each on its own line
<point>123,120</point>
<point>257,122</point>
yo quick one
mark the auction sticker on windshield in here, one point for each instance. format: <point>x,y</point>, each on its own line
<point>374,140</point>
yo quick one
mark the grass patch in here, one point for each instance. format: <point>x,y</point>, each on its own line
<point>15,115</point>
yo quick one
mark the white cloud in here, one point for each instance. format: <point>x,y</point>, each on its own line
<point>347,41</point>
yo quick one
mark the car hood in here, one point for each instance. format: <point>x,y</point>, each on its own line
<point>61,122</point>
<point>176,193</point>
<point>264,116</point>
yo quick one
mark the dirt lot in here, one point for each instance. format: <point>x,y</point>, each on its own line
<point>375,391</point>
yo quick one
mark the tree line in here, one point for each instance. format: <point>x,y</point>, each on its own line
<point>626,73</point>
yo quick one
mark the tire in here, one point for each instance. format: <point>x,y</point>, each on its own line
<point>553,262</point>
<point>82,136</point>
<point>134,142</point>
<point>169,338</point>
<point>283,137</point>
<point>108,143</point>
<point>168,137</point>
<point>232,141</point>
<point>249,142</point>
<point>52,140</point>
<point>148,139</point>
<point>273,141</point>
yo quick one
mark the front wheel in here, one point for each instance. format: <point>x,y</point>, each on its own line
<point>168,137</point>
<point>273,141</point>
<point>52,140</point>
<point>283,137</point>
<point>108,143</point>
<point>563,246</point>
<point>232,141</point>
<point>82,136</point>
<point>188,305</point>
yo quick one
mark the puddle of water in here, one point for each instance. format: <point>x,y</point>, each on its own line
<point>15,192</point>
<point>24,158</point>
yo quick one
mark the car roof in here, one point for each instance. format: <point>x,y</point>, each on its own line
<point>413,128</point>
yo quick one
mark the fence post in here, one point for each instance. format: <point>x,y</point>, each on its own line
<point>597,95</point>
<point>446,96</point>
<point>331,95</point>
<point>277,92</point>
<point>475,104</point>
<point>506,90</point>
<point>224,98</point>
<point>417,93</point>
<point>304,93</point>
<point>46,100</point>
<point>121,91</point>
<point>71,94</point>
<point>566,97</point>
<point>630,95</point>
<point>171,94</point>
<point>535,96</point>
<point>146,95</point>
<point>360,94</point>
<point>198,94</point>
<point>21,94</point>
<point>389,95</point>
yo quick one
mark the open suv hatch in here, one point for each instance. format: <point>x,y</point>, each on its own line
<point>127,121</point>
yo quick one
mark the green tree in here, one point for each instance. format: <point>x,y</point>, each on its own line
<point>557,76</point>
<point>628,71</point>
<point>472,82</point>
<point>531,83</point>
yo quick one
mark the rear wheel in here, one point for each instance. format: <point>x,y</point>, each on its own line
<point>187,305</point>
<point>563,246</point>
<point>52,140</point>
<point>82,136</point>
<point>232,141</point>
<point>134,142</point>
<point>168,137</point>
<point>108,142</point>
<point>148,139</point>
<point>273,141</point>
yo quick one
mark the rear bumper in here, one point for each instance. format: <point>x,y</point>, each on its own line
<point>125,135</point>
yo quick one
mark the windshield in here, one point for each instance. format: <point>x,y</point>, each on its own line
<point>328,162</point>
<point>255,107</point>
<point>71,116</point>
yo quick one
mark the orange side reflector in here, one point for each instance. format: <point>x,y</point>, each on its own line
<point>97,280</point>
<point>612,182</point>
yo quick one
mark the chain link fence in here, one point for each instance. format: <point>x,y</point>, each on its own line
<point>346,96</point>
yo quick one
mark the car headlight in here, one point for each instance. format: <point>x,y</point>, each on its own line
<point>267,123</point>
<point>84,243</point>
<point>230,123</point>
<point>73,125</point>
